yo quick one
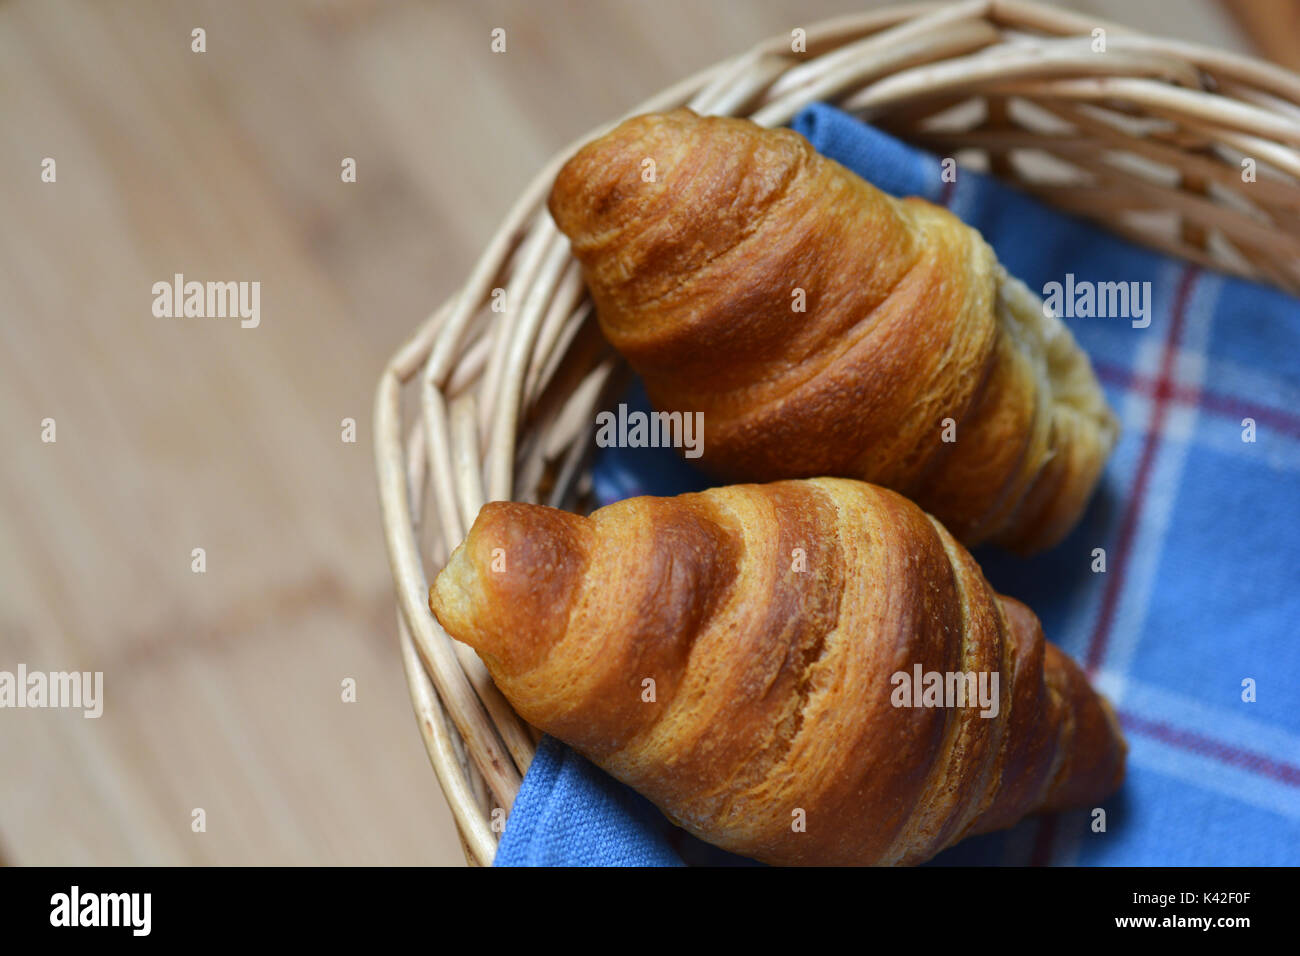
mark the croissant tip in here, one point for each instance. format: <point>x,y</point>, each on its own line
<point>601,165</point>
<point>506,590</point>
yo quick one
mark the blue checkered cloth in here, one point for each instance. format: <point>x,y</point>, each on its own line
<point>1201,530</point>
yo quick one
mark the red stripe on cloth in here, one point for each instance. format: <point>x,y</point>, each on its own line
<point>1151,442</point>
<point>1210,401</point>
<point>1208,747</point>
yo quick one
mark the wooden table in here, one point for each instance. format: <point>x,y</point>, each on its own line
<point>223,689</point>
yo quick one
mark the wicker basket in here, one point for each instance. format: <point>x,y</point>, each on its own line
<point>1150,137</point>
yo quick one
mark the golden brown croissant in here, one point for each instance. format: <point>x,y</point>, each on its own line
<point>735,656</point>
<point>699,239</point>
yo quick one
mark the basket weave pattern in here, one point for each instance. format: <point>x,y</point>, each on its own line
<point>1149,137</point>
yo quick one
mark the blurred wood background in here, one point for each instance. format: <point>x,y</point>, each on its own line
<point>223,689</point>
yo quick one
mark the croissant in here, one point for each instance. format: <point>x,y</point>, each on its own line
<point>735,655</point>
<point>825,328</point>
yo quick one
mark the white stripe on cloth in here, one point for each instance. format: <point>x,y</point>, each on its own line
<point>1231,724</point>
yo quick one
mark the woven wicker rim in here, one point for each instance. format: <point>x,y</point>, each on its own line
<point>1148,137</point>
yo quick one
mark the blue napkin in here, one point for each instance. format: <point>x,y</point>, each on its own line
<point>1192,628</point>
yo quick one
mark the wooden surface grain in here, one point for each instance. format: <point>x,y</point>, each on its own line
<point>223,689</point>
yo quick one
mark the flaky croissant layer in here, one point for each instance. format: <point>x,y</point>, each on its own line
<point>825,328</point>
<point>734,655</point>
